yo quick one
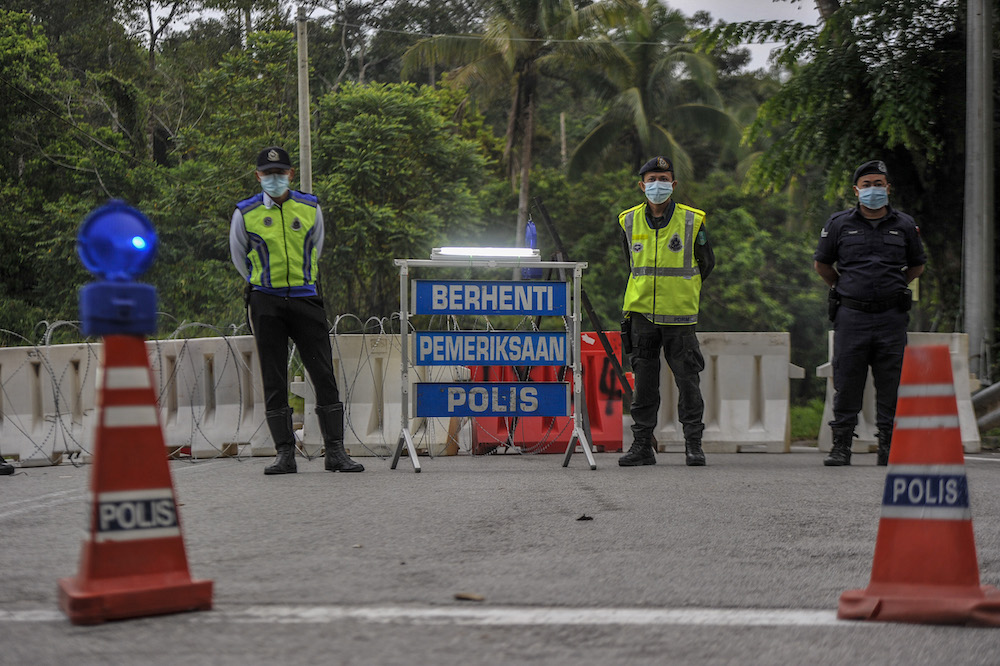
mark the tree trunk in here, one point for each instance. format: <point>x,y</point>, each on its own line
<point>827,8</point>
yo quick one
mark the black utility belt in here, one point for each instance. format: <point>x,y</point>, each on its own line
<point>903,300</point>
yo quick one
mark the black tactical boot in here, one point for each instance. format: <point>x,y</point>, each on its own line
<point>279,422</point>
<point>840,455</point>
<point>693,455</point>
<point>641,453</point>
<point>884,441</point>
<point>331,425</point>
<point>5,468</point>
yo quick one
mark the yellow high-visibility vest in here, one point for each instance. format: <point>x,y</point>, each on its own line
<point>665,283</point>
<point>282,240</point>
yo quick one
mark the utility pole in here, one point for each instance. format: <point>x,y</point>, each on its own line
<point>305,140</point>
<point>978,238</point>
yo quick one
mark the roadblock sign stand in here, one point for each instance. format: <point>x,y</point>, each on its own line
<point>579,436</point>
<point>133,561</point>
<point>925,568</point>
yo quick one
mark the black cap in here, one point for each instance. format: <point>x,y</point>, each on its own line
<point>875,166</point>
<point>273,158</point>
<point>657,164</point>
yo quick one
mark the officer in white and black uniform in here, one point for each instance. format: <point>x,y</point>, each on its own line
<point>275,238</point>
<point>868,255</point>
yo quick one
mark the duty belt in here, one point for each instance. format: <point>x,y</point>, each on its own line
<point>872,307</point>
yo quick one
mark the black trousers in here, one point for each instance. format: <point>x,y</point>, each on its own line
<point>275,319</point>
<point>862,340</point>
<point>683,354</point>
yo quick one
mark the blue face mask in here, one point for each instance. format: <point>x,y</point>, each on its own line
<point>658,191</point>
<point>873,198</point>
<point>274,184</point>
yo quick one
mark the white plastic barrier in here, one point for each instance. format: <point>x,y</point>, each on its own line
<point>209,392</point>
<point>369,378</point>
<point>47,402</point>
<point>866,442</point>
<point>746,392</point>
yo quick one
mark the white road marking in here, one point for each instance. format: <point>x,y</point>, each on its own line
<point>505,616</point>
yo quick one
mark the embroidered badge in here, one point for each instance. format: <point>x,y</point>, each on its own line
<point>824,233</point>
<point>268,221</point>
<point>702,237</point>
<point>637,247</point>
<point>675,244</point>
<point>296,225</point>
<point>894,232</point>
<point>272,155</point>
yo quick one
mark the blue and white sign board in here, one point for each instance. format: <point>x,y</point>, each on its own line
<point>485,297</point>
<point>926,491</point>
<point>491,348</point>
<point>492,399</point>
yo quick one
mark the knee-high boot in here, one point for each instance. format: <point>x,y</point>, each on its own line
<point>279,422</point>
<point>331,425</point>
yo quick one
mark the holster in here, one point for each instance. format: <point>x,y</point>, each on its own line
<point>832,304</point>
<point>627,334</point>
<point>905,300</point>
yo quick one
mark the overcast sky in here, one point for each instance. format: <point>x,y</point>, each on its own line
<point>733,11</point>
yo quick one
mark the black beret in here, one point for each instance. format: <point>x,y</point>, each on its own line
<point>875,166</point>
<point>657,164</point>
<point>273,158</point>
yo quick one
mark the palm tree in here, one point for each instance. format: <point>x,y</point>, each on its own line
<point>520,40</point>
<point>658,87</point>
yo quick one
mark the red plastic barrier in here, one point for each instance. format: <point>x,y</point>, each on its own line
<point>548,434</point>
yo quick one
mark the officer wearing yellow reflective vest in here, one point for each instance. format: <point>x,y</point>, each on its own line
<point>275,239</point>
<point>669,256</point>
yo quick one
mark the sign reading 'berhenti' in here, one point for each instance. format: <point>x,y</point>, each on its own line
<point>926,491</point>
<point>136,514</point>
<point>477,297</point>
<point>491,348</point>
<point>492,399</point>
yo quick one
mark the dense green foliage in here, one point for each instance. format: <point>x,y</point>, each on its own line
<point>422,116</point>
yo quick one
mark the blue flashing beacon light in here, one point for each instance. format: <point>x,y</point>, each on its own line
<point>117,243</point>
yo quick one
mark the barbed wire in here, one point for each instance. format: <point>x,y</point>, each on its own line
<point>48,394</point>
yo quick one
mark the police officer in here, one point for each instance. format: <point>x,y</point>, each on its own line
<point>878,252</point>
<point>669,256</point>
<point>275,238</point>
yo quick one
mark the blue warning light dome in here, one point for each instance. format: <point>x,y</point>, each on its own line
<point>117,242</point>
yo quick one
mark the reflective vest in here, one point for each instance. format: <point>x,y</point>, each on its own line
<point>665,282</point>
<point>282,243</point>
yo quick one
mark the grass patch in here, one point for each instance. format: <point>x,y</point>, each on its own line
<point>807,420</point>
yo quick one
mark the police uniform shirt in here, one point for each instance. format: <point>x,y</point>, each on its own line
<point>871,259</point>
<point>239,241</point>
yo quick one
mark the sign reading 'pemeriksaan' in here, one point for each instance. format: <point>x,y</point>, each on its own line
<point>478,297</point>
<point>491,348</point>
<point>492,399</point>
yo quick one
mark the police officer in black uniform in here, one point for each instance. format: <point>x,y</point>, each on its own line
<point>868,255</point>
<point>275,239</point>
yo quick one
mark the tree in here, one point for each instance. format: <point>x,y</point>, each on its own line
<point>874,80</point>
<point>520,39</point>
<point>394,174</point>
<point>658,83</point>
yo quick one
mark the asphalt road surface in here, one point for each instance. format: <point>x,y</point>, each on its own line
<point>485,560</point>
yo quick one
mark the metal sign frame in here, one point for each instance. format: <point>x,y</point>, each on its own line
<point>405,436</point>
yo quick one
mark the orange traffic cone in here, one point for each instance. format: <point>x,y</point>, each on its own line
<point>133,562</point>
<point>925,567</point>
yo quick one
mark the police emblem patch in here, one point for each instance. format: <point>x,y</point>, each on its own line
<point>268,221</point>
<point>675,244</point>
<point>637,247</point>
<point>296,225</point>
<point>272,155</point>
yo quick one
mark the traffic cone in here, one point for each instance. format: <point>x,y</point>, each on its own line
<point>925,567</point>
<point>132,563</point>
